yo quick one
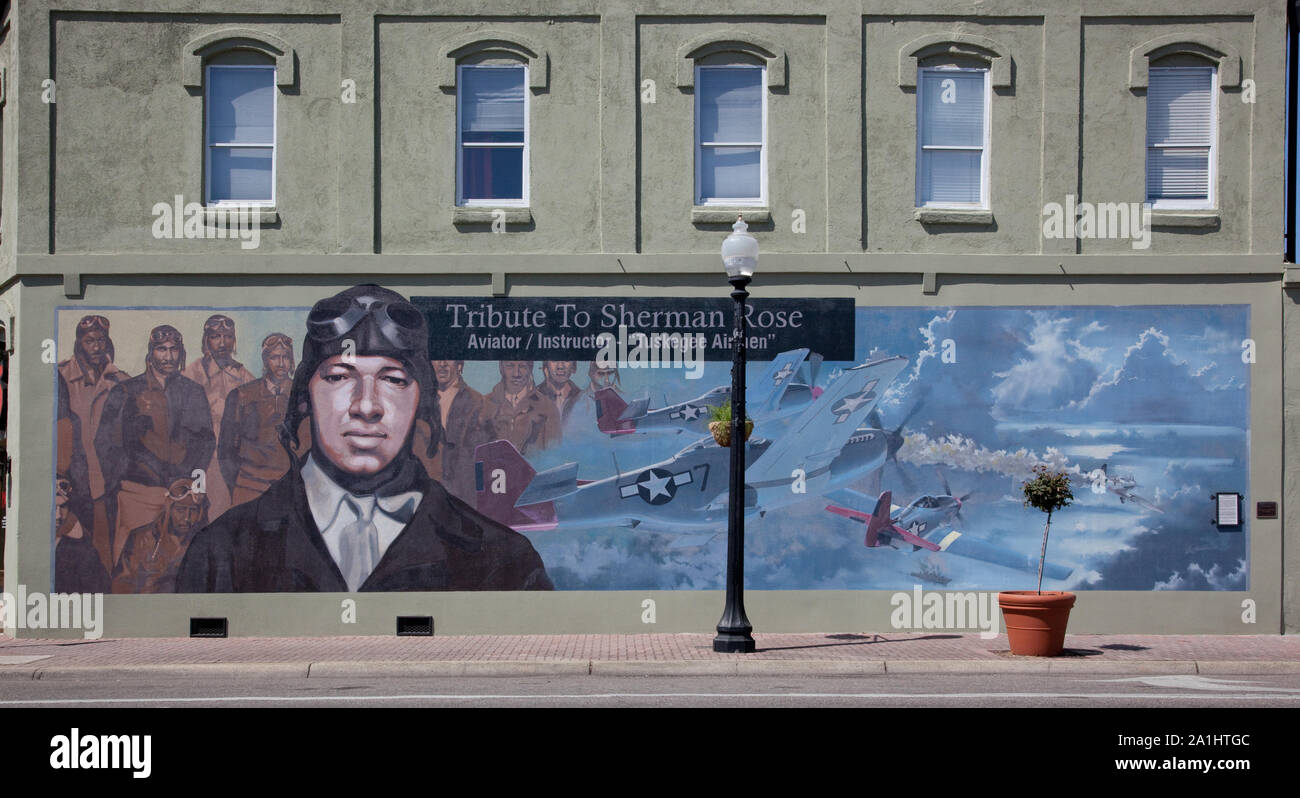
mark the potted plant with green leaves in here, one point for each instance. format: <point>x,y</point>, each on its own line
<point>720,424</point>
<point>1036,620</point>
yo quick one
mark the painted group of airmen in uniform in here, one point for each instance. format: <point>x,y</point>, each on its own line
<point>530,415</point>
<point>145,463</point>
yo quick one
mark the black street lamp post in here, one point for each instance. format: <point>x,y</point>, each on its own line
<point>740,257</point>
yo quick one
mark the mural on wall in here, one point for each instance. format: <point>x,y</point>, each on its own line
<point>365,451</point>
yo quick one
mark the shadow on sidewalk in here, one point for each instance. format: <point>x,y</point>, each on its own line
<point>858,640</point>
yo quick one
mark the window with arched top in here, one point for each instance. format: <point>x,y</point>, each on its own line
<point>239,130</point>
<point>494,75</point>
<point>954,75</point>
<point>730,131</point>
<point>1182,76</point>
<point>1181,134</point>
<point>240,72</point>
<point>952,113</point>
<point>730,72</point>
<point>492,133</point>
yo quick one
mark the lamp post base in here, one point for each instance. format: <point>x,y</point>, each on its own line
<point>734,642</point>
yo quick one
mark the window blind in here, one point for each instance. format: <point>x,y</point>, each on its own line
<point>951,106</point>
<point>1180,131</point>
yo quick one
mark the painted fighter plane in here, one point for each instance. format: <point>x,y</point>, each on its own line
<point>774,395</point>
<point>818,450</point>
<point>1122,486</point>
<point>921,524</point>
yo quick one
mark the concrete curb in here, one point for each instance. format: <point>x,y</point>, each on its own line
<point>398,668</point>
<point>990,666</point>
<point>738,668</point>
<point>378,669</point>
<point>210,670</point>
<point>1149,666</point>
<point>1229,667</point>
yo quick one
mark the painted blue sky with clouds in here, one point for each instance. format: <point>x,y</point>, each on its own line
<point>1160,393</point>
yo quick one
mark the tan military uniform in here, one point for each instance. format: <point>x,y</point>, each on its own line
<point>217,382</point>
<point>248,446</point>
<point>531,425</point>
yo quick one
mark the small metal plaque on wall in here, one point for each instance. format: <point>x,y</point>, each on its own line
<point>1227,511</point>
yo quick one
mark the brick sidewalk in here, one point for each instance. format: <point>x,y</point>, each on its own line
<point>659,648</point>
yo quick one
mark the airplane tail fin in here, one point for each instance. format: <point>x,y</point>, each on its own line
<point>610,409</point>
<point>879,520</point>
<point>501,476</point>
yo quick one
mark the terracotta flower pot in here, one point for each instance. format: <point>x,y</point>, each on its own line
<point>722,431</point>
<point>1036,623</point>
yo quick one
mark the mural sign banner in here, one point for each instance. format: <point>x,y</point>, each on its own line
<point>572,328</point>
<point>348,446</point>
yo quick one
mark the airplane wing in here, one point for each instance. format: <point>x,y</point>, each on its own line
<point>1147,503</point>
<point>961,545</point>
<point>765,395</point>
<point>815,437</point>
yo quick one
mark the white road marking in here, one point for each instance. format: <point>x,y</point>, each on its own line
<point>1190,682</point>
<point>22,660</point>
<point>570,696</point>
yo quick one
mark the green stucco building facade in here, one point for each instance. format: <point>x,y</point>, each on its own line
<point>1148,335</point>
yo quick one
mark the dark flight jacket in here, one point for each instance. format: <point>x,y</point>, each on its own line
<point>272,545</point>
<point>130,445</point>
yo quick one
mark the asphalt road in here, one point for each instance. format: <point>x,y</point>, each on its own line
<point>882,690</point>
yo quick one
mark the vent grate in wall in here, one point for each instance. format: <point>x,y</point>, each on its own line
<point>415,626</point>
<point>208,627</point>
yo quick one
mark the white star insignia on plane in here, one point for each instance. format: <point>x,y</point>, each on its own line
<point>655,485</point>
<point>846,406</point>
<point>782,374</point>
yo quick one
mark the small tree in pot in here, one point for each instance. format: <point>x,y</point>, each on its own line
<point>1036,621</point>
<point>1048,491</point>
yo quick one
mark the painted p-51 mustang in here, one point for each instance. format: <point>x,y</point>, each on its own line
<point>816,451</point>
<point>926,523</point>
<point>774,395</point>
<point>1122,485</point>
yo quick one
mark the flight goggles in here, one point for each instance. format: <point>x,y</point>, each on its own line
<point>88,323</point>
<point>275,340</point>
<point>398,322</point>
<point>219,324</point>
<point>163,333</point>
<point>183,488</point>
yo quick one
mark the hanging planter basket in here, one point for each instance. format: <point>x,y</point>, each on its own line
<point>722,431</point>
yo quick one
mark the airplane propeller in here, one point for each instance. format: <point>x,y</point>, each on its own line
<point>895,439</point>
<point>947,489</point>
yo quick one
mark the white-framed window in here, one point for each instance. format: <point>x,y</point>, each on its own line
<point>239,134</point>
<point>492,135</point>
<point>730,135</point>
<point>1181,134</point>
<point>952,137</point>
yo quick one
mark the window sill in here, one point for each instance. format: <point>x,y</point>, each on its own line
<point>213,215</point>
<point>1188,218</point>
<point>482,214</point>
<point>726,214</point>
<point>974,216</point>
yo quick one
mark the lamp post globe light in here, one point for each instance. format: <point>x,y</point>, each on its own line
<point>740,258</point>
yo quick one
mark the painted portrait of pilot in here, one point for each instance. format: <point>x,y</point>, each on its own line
<point>356,510</point>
